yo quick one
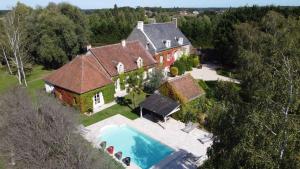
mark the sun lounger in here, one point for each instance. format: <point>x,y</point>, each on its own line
<point>189,127</point>
<point>82,130</point>
<point>205,138</point>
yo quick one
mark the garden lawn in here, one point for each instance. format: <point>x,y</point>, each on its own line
<point>34,80</point>
<point>125,110</point>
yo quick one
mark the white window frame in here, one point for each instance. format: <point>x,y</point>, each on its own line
<point>98,99</point>
<point>139,62</point>
<point>180,41</point>
<point>168,43</point>
<point>120,67</point>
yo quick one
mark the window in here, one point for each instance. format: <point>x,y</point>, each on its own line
<point>139,62</point>
<point>98,99</point>
<point>120,67</point>
<point>180,41</point>
<point>168,43</point>
<point>161,59</point>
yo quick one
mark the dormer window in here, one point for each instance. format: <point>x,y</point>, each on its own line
<point>168,43</point>
<point>180,41</point>
<point>139,62</point>
<point>120,67</point>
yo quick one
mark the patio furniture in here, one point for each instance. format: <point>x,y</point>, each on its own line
<point>126,161</point>
<point>110,149</point>
<point>118,155</point>
<point>103,145</point>
<point>189,127</point>
<point>205,138</point>
<point>82,130</point>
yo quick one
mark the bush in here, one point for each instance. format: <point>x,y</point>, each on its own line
<point>180,66</point>
<point>174,71</point>
<point>195,62</point>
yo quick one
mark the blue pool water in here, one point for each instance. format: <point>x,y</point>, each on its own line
<point>143,150</point>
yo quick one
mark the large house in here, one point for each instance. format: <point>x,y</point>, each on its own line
<point>90,81</point>
<point>163,40</point>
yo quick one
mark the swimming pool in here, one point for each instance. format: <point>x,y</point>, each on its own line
<point>143,150</point>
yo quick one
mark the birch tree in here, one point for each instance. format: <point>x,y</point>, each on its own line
<point>15,36</point>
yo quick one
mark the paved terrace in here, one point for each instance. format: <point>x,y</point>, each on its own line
<point>208,73</point>
<point>172,136</point>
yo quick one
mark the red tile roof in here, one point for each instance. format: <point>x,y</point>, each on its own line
<point>109,56</point>
<point>82,74</point>
<point>187,86</point>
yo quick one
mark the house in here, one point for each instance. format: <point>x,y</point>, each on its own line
<point>182,88</point>
<point>94,79</point>
<point>163,40</point>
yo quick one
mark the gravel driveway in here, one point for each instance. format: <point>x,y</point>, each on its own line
<point>208,73</point>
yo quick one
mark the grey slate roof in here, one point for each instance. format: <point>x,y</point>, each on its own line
<point>159,104</point>
<point>158,33</point>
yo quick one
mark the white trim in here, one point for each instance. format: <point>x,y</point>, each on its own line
<point>148,39</point>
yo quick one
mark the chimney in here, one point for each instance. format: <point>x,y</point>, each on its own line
<point>174,20</point>
<point>123,42</point>
<point>140,25</point>
<point>88,47</point>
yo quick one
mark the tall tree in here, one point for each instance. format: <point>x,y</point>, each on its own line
<point>16,40</point>
<point>262,129</point>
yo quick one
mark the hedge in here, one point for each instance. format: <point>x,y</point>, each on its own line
<point>86,99</point>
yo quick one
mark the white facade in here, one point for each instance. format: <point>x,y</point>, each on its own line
<point>49,87</point>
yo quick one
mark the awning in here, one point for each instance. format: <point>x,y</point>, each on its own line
<point>160,105</point>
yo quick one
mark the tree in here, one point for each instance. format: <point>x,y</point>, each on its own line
<point>156,78</point>
<point>261,130</point>
<point>59,33</point>
<point>134,82</point>
<point>43,135</point>
<point>16,40</point>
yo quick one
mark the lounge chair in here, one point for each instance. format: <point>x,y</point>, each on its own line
<point>189,157</point>
<point>126,161</point>
<point>189,127</point>
<point>205,138</point>
<point>82,130</point>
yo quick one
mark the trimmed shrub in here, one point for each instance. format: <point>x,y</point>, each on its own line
<point>196,62</point>
<point>180,66</point>
<point>174,71</point>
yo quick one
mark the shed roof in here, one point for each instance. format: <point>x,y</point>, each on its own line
<point>159,104</point>
<point>187,86</point>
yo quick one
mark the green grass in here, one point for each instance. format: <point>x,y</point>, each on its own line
<point>125,110</point>
<point>34,80</point>
<point>226,72</point>
<point>6,80</point>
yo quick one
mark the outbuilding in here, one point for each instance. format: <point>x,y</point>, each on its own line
<point>159,106</point>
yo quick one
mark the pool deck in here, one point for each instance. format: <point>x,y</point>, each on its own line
<point>172,135</point>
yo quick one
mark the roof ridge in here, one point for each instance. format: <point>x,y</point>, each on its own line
<point>97,47</point>
<point>170,22</point>
<point>101,64</point>
<point>179,77</point>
